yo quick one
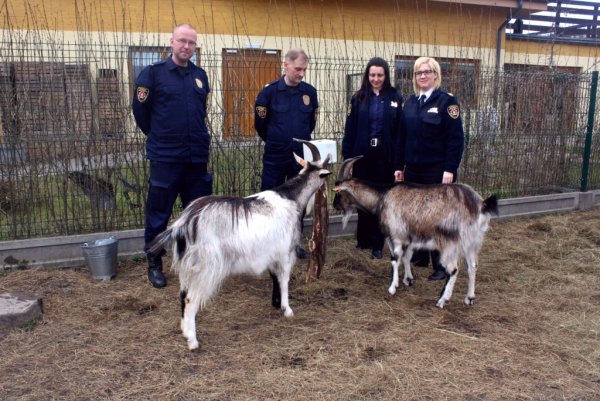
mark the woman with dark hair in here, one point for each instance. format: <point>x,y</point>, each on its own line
<point>371,130</point>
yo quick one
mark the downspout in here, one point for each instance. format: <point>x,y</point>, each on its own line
<point>499,47</point>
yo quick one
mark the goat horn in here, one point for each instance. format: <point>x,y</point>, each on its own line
<point>313,149</point>
<point>346,167</point>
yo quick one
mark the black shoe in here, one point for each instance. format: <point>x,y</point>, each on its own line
<point>438,275</point>
<point>302,253</point>
<point>157,278</point>
<point>377,254</point>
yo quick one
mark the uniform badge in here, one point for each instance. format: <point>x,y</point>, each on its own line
<point>394,104</point>
<point>433,110</point>
<point>453,111</point>
<point>199,83</point>
<point>261,111</point>
<point>306,100</point>
<point>142,94</point>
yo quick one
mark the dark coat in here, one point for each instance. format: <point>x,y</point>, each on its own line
<point>169,106</point>
<point>432,134</point>
<point>281,115</point>
<point>356,131</point>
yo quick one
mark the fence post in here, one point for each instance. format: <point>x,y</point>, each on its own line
<point>587,150</point>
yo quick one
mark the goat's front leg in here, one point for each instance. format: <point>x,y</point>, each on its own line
<point>395,278</point>
<point>398,254</point>
<point>283,277</point>
<point>276,296</point>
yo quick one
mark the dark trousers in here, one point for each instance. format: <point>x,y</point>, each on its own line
<point>168,181</point>
<point>425,174</point>
<point>377,169</point>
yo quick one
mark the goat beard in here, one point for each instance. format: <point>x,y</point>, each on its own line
<point>345,218</point>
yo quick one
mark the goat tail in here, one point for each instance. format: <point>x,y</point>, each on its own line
<point>490,205</point>
<point>159,243</point>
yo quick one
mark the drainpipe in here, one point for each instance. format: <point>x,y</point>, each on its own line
<point>499,47</point>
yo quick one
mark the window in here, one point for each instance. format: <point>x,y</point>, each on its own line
<point>142,56</point>
<point>540,97</point>
<point>459,77</point>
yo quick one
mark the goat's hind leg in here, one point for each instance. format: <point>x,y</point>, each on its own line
<point>190,303</point>
<point>471,258</point>
<point>449,259</point>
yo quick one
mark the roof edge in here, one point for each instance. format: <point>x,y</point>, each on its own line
<point>528,5</point>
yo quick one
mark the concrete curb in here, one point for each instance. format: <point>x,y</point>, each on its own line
<point>62,252</point>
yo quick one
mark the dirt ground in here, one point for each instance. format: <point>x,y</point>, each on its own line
<point>533,333</point>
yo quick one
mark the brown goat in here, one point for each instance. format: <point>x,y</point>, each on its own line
<point>450,218</point>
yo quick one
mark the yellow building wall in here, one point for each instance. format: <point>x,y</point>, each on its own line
<point>417,21</point>
<point>547,53</point>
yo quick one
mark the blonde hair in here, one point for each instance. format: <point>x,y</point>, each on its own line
<point>434,65</point>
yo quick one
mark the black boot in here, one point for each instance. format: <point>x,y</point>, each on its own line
<point>302,253</point>
<point>155,273</point>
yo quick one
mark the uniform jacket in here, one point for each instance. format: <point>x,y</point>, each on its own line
<point>280,116</point>
<point>356,131</point>
<point>169,106</point>
<point>432,134</point>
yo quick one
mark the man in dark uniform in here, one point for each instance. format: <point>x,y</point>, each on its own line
<point>285,109</point>
<point>169,107</point>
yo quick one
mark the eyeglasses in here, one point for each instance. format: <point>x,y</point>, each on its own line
<point>184,42</point>
<point>426,72</point>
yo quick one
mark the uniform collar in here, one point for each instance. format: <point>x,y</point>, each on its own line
<point>172,66</point>
<point>282,86</point>
<point>427,94</point>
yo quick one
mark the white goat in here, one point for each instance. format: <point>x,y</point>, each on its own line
<point>218,236</point>
<point>450,218</point>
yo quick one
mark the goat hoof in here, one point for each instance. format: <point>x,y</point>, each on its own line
<point>440,304</point>
<point>392,289</point>
<point>469,300</point>
<point>408,282</point>
<point>288,313</point>
<point>193,344</point>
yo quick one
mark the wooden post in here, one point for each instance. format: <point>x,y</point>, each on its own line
<point>318,242</point>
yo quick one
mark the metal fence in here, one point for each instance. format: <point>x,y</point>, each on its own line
<point>73,162</point>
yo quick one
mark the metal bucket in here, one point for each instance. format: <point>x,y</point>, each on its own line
<point>101,257</point>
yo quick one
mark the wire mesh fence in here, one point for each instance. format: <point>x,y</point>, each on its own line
<point>72,160</point>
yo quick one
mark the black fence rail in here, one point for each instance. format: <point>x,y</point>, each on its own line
<point>73,162</point>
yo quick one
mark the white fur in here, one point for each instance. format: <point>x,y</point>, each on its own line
<point>260,236</point>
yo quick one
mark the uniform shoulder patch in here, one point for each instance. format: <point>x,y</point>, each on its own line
<point>454,111</point>
<point>142,93</point>
<point>261,111</point>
